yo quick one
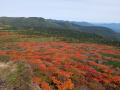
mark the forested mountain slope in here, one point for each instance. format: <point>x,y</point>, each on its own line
<point>34,58</point>
<point>41,22</point>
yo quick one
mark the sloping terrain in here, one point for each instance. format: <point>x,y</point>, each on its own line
<point>28,22</point>
<point>83,23</point>
<point>114,26</point>
<point>56,64</point>
<point>89,28</point>
<point>44,23</point>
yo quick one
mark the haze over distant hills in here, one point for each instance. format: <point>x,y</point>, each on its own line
<point>104,30</point>
<point>114,26</point>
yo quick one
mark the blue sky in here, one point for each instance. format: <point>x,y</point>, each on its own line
<point>73,10</point>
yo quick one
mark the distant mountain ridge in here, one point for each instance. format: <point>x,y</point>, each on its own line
<point>31,21</point>
<point>113,26</point>
<point>67,25</point>
<point>83,23</point>
<point>88,27</point>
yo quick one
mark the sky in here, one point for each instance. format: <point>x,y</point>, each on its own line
<point>72,10</point>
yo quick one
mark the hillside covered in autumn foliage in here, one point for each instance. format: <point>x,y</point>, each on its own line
<point>45,61</point>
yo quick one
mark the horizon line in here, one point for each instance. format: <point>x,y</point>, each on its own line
<point>62,19</point>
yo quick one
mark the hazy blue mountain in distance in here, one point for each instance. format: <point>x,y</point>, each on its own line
<point>59,24</point>
<point>114,26</point>
<point>73,22</point>
<point>87,27</point>
<point>83,23</point>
